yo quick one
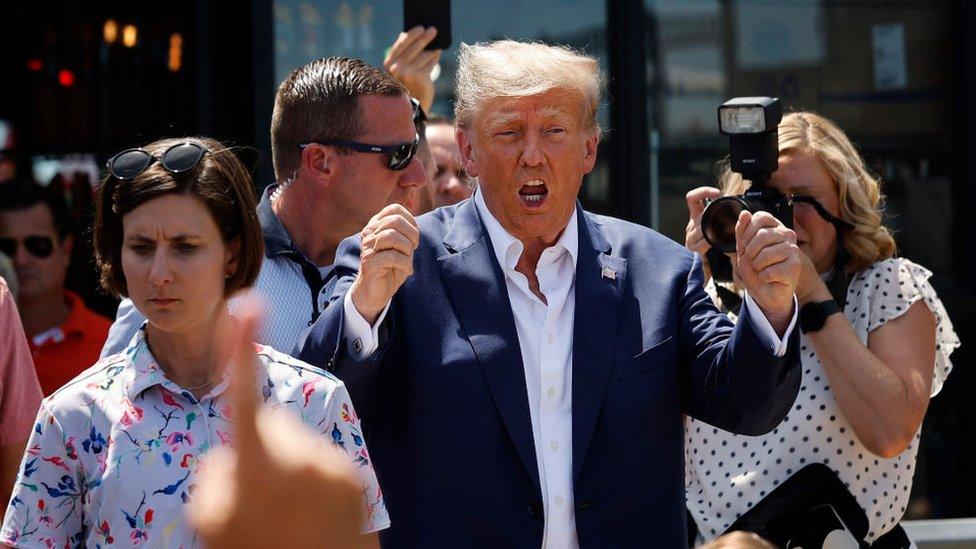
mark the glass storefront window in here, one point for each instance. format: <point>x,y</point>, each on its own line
<point>305,30</point>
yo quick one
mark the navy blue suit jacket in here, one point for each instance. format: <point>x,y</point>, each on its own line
<point>444,402</point>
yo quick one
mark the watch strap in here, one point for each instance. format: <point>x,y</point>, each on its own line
<point>813,316</point>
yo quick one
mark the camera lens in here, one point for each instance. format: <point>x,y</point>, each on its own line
<point>718,222</point>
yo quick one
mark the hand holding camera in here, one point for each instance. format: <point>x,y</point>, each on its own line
<point>694,238</point>
<point>767,263</point>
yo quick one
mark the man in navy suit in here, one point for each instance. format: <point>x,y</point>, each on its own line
<point>523,366</point>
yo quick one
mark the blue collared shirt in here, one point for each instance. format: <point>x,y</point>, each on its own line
<point>295,289</point>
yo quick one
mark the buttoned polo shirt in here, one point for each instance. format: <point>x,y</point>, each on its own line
<point>295,290</point>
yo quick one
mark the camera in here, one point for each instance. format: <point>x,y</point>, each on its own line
<point>751,124</point>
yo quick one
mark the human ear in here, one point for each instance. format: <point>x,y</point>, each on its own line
<point>591,145</point>
<point>233,257</point>
<point>466,151</point>
<point>318,160</point>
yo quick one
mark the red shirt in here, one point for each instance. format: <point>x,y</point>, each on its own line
<point>63,352</point>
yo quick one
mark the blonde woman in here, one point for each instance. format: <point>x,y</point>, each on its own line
<point>869,368</point>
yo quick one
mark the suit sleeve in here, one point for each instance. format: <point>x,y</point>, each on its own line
<point>324,343</point>
<point>733,379</point>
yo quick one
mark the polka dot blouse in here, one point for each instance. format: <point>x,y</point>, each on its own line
<point>727,474</point>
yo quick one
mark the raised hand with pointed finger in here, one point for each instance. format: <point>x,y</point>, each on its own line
<point>281,482</point>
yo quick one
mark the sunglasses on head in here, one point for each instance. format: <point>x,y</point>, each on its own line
<point>400,154</point>
<point>179,158</point>
<point>38,246</point>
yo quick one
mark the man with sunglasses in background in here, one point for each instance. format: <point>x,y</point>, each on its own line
<point>63,334</point>
<point>343,142</point>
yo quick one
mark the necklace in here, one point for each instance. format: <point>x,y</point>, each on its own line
<point>211,382</point>
<point>201,386</point>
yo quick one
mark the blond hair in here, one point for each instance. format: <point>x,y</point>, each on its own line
<point>507,68</point>
<point>859,191</point>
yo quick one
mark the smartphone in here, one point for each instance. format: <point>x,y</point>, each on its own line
<point>430,13</point>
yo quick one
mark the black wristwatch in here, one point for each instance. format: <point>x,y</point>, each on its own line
<point>813,316</point>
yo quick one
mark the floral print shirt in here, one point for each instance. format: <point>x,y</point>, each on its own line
<point>114,454</point>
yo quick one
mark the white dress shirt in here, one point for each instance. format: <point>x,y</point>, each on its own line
<point>545,333</point>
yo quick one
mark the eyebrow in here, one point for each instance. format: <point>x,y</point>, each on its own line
<point>546,112</point>
<point>552,112</point>
<point>178,237</point>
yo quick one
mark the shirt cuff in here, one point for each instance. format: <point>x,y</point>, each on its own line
<point>362,339</point>
<point>764,328</point>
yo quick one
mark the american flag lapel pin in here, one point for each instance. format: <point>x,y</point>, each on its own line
<point>608,273</point>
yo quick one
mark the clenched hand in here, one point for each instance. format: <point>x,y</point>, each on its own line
<point>385,261</point>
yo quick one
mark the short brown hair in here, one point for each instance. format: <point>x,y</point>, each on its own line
<point>219,180</point>
<point>319,102</point>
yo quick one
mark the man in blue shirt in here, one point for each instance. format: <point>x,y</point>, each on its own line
<point>343,141</point>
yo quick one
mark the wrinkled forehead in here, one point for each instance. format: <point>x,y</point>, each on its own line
<point>169,214</point>
<point>557,104</point>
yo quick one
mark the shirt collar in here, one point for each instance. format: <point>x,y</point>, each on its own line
<point>276,238</point>
<point>508,249</point>
<point>141,371</point>
<point>75,323</point>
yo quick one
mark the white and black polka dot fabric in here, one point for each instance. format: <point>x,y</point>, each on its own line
<point>727,474</point>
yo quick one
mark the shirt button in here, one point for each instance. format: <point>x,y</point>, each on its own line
<point>559,500</point>
<point>554,445</point>
<point>552,338</point>
<point>551,393</point>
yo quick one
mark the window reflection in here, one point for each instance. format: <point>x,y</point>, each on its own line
<point>305,30</point>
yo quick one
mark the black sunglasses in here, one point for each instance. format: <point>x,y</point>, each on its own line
<point>400,154</point>
<point>418,112</point>
<point>419,117</point>
<point>38,246</point>
<point>179,158</point>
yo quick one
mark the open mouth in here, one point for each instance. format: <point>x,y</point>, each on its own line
<point>533,193</point>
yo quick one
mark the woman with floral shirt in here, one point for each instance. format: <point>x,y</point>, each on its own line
<point>114,454</point>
